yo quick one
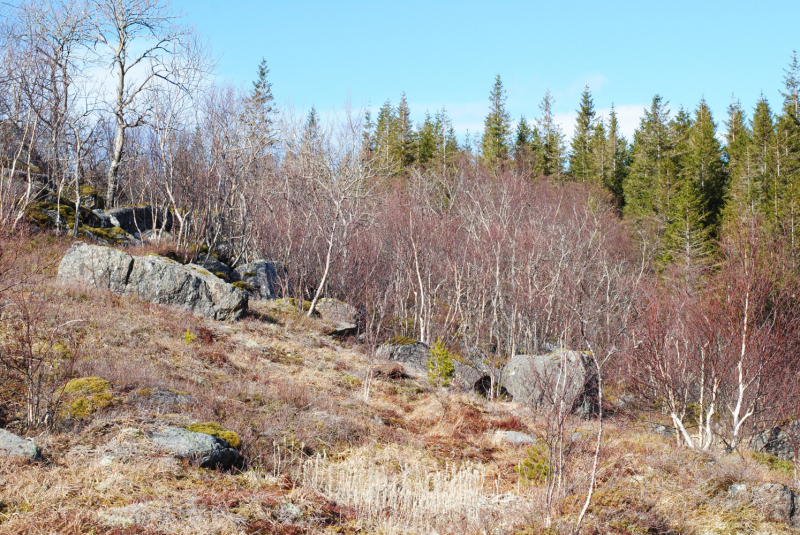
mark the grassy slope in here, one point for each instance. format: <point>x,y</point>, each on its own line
<point>319,458</point>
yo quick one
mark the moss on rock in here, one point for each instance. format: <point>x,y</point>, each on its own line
<point>243,286</point>
<point>86,395</point>
<point>216,430</point>
<point>111,235</point>
<point>400,340</point>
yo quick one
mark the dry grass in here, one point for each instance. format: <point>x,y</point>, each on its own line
<point>318,456</point>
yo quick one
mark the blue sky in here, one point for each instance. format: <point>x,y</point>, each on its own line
<point>447,53</point>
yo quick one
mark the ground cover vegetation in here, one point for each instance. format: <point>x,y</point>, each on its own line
<point>669,260</point>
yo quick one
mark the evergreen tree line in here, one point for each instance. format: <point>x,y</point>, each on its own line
<point>677,180</point>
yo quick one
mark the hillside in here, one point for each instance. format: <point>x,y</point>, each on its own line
<point>315,456</point>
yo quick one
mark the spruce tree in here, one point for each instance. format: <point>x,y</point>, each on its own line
<point>763,150</point>
<point>742,195</point>
<point>526,146</point>
<point>385,131</point>
<point>650,186</point>
<point>705,168</point>
<point>261,95</point>
<point>550,160</point>
<point>599,153</point>
<point>402,149</point>
<point>446,141</point>
<point>426,140</point>
<point>686,238</point>
<point>311,131</point>
<point>618,158</point>
<point>787,157</point>
<point>581,157</point>
<point>497,128</point>
<point>260,108</point>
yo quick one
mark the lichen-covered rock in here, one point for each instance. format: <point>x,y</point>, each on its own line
<point>86,395</point>
<point>515,438</point>
<point>168,396</point>
<point>191,287</point>
<point>213,265</point>
<point>133,219</point>
<point>11,444</point>
<point>777,441</point>
<point>775,501</point>
<point>207,450</point>
<point>263,276</point>
<point>216,430</point>
<point>94,265</point>
<point>155,279</point>
<point>538,380</point>
<point>411,353</point>
<point>336,311</point>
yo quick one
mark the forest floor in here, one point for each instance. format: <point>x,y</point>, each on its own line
<point>318,455</point>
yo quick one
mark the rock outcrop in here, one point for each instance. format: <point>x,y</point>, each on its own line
<point>776,501</point>
<point>779,441</point>
<point>336,311</point>
<point>153,278</point>
<point>263,276</point>
<point>11,444</point>
<point>133,219</point>
<point>537,380</point>
<point>213,265</point>
<point>409,352</point>
<point>414,355</point>
<point>207,450</point>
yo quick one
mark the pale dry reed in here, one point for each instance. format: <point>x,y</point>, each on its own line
<point>407,496</point>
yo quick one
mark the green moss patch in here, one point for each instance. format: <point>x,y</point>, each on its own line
<point>774,463</point>
<point>216,430</point>
<point>400,340</point>
<point>222,275</point>
<point>291,302</point>
<point>36,212</point>
<point>111,235</point>
<point>86,395</point>
<point>243,286</point>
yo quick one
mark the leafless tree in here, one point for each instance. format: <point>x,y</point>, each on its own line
<point>140,36</point>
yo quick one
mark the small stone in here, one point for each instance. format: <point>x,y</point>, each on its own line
<point>11,444</point>
<point>515,438</point>
<point>209,450</point>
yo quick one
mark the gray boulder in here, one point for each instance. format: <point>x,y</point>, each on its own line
<point>776,501</point>
<point>778,441</point>
<point>209,451</point>
<point>336,311</point>
<point>94,265</point>
<point>263,276</point>
<point>160,280</point>
<point>213,265</point>
<point>11,444</point>
<point>133,219</point>
<point>415,355</point>
<point>412,355</point>
<point>515,438</point>
<point>153,278</point>
<point>542,380</point>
